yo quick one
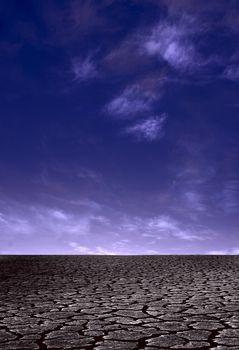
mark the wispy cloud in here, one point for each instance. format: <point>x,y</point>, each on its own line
<point>54,222</point>
<point>134,100</point>
<point>92,231</point>
<point>149,129</point>
<point>231,72</point>
<point>99,250</point>
<point>165,227</point>
<point>229,198</point>
<point>125,59</point>
<point>193,174</point>
<point>84,69</point>
<point>179,43</point>
<point>89,174</point>
<point>172,42</point>
<point>194,200</point>
<point>226,18</point>
<point>83,203</point>
<point>231,251</point>
<point>79,248</point>
<point>171,227</point>
<point>15,225</point>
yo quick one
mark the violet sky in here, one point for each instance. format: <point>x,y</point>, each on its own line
<point>119,127</point>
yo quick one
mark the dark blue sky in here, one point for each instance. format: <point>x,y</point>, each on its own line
<point>119,127</point>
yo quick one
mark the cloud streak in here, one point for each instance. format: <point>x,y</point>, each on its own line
<point>99,250</point>
<point>231,251</point>
<point>101,231</point>
<point>149,129</point>
<point>48,221</point>
<point>133,101</point>
<point>84,69</point>
<point>231,72</point>
<point>165,227</point>
<point>229,199</point>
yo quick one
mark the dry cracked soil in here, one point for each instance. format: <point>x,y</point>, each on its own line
<point>116,302</point>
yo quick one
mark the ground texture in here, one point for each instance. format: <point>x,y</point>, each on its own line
<point>137,302</point>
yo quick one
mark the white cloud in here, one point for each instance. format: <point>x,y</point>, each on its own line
<point>88,203</point>
<point>43,220</point>
<point>164,227</point>
<point>188,235</point>
<point>171,227</point>
<point>95,251</point>
<point>172,42</point>
<point>94,232</point>
<point>79,249</point>
<point>151,252</point>
<point>104,251</point>
<point>84,69</point>
<point>59,214</point>
<point>132,101</point>
<point>217,252</point>
<point>162,223</point>
<point>149,129</point>
<point>232,251</point>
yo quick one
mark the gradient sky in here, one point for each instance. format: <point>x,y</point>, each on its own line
<point>119,127</point>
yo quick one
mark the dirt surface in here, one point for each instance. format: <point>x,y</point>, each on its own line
<point>115,302</point>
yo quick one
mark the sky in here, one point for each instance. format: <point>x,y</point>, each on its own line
<point>119,127</point>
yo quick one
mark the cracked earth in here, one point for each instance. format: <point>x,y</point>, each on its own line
<point>113,302</point>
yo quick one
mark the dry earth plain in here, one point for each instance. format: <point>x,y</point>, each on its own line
<point>116,302</point>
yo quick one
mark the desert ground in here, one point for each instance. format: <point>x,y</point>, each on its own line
<point>119,302</point>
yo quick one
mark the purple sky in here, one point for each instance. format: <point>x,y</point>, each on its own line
<point>119,127</point>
